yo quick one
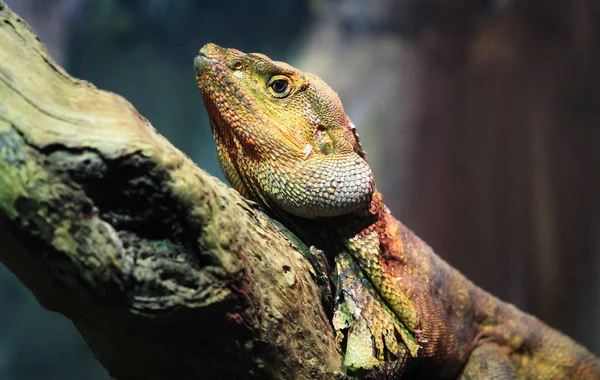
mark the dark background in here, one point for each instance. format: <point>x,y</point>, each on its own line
<point>480,119</point>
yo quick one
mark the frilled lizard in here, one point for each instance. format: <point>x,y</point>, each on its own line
<point>285,142</point>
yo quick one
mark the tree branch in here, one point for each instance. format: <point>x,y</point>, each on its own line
<point>165,271</point>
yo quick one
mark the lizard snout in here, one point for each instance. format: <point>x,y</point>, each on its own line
<point>206,56</point>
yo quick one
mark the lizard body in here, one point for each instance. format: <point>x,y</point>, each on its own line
<point>284,141</point>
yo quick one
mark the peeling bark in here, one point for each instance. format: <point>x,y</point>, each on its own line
<point>165,271</point>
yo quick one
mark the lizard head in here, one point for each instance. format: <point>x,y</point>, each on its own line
<point>283,138</point>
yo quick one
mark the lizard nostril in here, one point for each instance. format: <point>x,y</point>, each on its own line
<point>205,50</point>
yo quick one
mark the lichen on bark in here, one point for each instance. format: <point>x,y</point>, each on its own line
<point>165,271</point>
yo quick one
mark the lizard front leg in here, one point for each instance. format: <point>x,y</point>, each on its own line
<point>365,247</point>
<point>362,320</point>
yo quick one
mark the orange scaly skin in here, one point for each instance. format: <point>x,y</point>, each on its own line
<point>284,140</point>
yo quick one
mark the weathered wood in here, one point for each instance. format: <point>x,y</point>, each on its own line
<point>165,271</point>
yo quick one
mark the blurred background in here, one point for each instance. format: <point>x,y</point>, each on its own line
<point>481,119</point>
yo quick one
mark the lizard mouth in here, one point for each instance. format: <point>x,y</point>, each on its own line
<point>219,89</point>
<point>210,79</point>
<point>201,62</point>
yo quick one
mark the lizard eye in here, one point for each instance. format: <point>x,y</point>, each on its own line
<point>236,64</point>
<point>279,86</point>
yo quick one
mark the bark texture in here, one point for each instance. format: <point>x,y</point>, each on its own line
<point>165,271</point>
